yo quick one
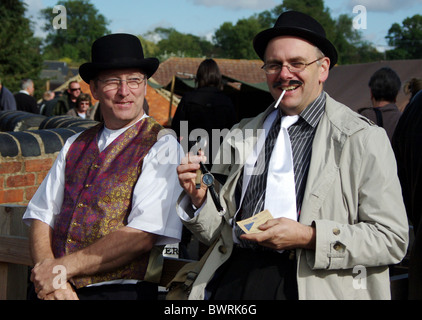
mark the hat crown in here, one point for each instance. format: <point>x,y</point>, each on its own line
<point>117,47</point>
<point>117,51</point>
<point>296,19</point>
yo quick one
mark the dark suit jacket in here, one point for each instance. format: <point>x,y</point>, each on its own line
<point>407,142</point>
<point>25,102</point>
<point>205,108</point>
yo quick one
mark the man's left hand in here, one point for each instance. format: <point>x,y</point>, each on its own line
<point>283,234</point>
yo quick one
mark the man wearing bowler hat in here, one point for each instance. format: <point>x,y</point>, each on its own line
<point>325,174</point>
<point>106,208</point>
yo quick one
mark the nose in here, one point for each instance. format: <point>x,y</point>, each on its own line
<point>285,73</point>
<point>123,89</point>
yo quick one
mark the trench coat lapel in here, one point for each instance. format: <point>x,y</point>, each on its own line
<point>331,135</point>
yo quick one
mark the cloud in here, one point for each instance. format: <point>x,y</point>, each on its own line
<point>385,5</point>
<point>238,4</point>
<point>33,7</point>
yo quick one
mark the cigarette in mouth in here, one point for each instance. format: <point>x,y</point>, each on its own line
<point>279,99</point>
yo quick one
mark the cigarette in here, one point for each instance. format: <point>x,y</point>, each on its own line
<point>279,99</point>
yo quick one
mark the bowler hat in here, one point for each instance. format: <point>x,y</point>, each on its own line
<point>117,51</point>
<point>297,24</point>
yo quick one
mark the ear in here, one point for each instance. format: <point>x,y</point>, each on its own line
<point>324,69</point>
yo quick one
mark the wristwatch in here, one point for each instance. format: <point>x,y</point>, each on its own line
<point>208,180</point>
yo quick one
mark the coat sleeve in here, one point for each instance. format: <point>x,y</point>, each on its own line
<point>374,230</point>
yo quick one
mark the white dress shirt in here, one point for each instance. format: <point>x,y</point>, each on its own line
<point>155,193</point>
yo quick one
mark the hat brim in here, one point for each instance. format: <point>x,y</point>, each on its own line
<point>89,71</point>
<point>261,41</point>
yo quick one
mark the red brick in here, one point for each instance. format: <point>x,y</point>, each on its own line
<point>41,176</point>
<point>10,167</point>
<point>38,165</point>
<point>29,193</point>
<point>1,183</point>
<point>20,181</point>
<point>11,196</point>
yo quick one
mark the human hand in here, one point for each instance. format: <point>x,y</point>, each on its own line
<point>48,276</point>
<point>187,172</point>
<point>67,293</point>
<point>283,234</point>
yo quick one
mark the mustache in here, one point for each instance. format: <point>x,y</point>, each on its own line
<point>291,83</point>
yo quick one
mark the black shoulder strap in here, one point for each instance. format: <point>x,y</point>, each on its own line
<point>378,113</point>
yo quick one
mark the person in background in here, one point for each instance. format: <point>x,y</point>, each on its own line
<point>7,100</point>
<point>83,108</point>
<point>107,206</point>
<point>47,97</point>
<point>24,98</point>
<point>407,142</point>
<point>325,174</point>
<point>206,108</point>
<point>384,87</point>
<point>68,100</point>
<point>412,87</point>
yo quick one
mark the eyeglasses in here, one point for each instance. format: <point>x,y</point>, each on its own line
<point>75,89</point>
<point>294,67</point>
<point>115,83</point>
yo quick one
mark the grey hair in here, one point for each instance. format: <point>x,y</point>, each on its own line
<point>26,83</point>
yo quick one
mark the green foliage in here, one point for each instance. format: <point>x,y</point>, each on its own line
<point>174,43</point>
<point>407,39</point>
<point>84,25</point>
<point>19,54</point>
<point>235,41</point>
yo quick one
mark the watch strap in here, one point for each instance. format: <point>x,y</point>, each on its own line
<point>216,201</point>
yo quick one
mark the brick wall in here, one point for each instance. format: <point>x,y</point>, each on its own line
<point>21,176</point>
<point>27,156</point>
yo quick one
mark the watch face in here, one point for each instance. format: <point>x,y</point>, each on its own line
<point>208,179</point>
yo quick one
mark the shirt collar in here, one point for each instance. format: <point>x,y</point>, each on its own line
<point>314,111</point>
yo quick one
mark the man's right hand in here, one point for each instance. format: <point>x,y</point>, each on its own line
<point>187,175</point>
<point>63,294</point>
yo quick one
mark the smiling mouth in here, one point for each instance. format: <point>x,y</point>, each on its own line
<point>124,103</point>
<point>292,85</point>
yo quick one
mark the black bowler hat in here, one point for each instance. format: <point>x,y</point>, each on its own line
<point>117,51</point>
<point>297,24</point>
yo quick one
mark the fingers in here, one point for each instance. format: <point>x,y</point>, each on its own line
<point>187,172</point>
<point>277,234</point>
<point>63,294</point>
<point>191,158</point>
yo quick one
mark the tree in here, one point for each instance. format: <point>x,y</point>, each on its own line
<point>20,51</point>
<point>235,41</point>
<point>84,25</point>
<point>174,43</point>
<point>149,47</point>
<point>406,39</point>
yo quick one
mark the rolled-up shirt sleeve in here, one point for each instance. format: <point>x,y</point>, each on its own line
<point>46,203</point>
<point>156,193</point>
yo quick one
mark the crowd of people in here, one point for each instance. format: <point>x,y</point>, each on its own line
<point>288,212</point>
<point>52,103</point>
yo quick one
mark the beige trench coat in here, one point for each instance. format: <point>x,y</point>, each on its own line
<point>352,196</point>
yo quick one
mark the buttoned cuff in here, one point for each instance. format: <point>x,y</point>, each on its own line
<point>330,251</point>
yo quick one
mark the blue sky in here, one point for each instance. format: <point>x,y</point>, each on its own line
<point>203,17</point>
